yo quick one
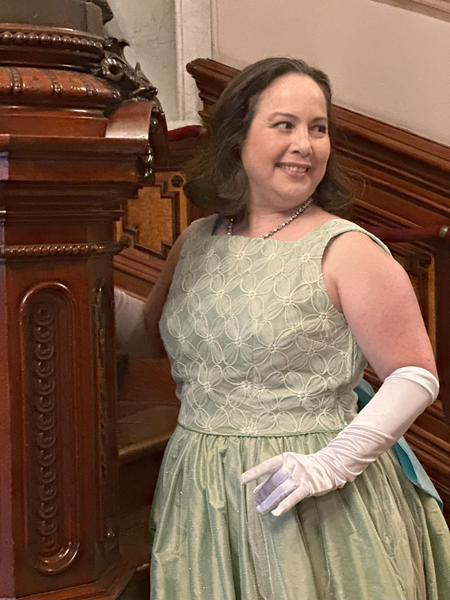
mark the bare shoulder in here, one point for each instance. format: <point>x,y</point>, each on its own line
<point>355,252</point>
<point>374,293</point>
<point>354,261</point>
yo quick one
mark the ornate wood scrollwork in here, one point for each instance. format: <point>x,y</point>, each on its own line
<point>63,179</point>
<point>134,85</point>
<point>48,324</point>
<point>116,69</point>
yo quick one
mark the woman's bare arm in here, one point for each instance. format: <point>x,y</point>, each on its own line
<point>155,302</point>
<point>375,295</point>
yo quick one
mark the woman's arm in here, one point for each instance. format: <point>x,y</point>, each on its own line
<point>379,304</point>
<point>137,322</point>
<point>155,302</point>
<point>375,294</point>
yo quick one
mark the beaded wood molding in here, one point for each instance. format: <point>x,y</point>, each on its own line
<point>48,46</point>
<point>50,37</point>
<point>62,250</point>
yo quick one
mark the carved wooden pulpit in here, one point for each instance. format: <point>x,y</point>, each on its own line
<point>74,144</point>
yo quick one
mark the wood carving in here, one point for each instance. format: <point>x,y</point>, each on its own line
<point>132,82</point>
<point>73,250</point>
<point>48,46</point>
<point>55,86</point>
<point>71,152</point>
<point>48,320</point>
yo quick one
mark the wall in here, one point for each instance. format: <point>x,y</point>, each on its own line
<point>384,62</point>
<point>164,35</point>
<point>149,28</point>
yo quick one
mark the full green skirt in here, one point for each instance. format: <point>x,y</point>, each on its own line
<point>378,538</point>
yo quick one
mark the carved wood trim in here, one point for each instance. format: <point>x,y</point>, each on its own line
<point>45,37</point>
<point>47,321</point>
<point>62,250</point>
<point>25,85</point>
<point>41,46</point>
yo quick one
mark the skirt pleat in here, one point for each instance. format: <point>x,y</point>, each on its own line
<point>378,538</point>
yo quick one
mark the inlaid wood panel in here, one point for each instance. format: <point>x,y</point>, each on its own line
<point>152,223</point>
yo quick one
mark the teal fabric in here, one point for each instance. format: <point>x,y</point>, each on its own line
<point>265,364</point>
<point>406,457</point>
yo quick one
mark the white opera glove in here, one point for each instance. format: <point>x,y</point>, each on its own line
<point>130,325</point>
<point>403,396</point>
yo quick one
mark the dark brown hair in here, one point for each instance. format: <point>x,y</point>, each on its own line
<point>216,178</point>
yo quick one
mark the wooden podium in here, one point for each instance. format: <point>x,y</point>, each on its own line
<point>73,146</point>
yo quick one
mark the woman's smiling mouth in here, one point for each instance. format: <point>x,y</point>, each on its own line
<point>294,168</point>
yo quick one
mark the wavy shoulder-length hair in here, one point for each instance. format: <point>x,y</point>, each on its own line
<point>216,178</point>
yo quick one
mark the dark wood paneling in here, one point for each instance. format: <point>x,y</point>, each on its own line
<point>64,174</point>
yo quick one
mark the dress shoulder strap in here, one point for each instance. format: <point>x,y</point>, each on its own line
<point>336,227</point>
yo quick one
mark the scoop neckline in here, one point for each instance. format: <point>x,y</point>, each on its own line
<point>245,237</point>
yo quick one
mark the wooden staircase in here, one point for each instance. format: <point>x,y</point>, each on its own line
<point>147,416</point>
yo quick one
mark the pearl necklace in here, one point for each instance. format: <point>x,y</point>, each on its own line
<point>298,212</point>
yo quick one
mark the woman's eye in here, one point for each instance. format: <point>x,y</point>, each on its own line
<point>284,125</point>
<point>321,128</point>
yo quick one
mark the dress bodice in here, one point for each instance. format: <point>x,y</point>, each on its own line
<point>255,344</point>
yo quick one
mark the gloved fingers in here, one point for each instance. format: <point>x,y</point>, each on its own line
<point>277,496</point>
<point>297,495</point>
<point>264,490</point>
<point>267,466</point>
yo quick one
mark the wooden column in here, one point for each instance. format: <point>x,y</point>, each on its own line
<point>68,160</point>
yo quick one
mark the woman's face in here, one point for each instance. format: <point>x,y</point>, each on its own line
<point>287,147</point>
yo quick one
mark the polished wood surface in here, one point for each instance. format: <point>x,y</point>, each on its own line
<point>68,161</point>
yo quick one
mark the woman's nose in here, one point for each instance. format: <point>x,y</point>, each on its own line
<point>301,142</point>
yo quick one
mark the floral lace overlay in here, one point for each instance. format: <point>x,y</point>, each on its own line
<point>256,346</point>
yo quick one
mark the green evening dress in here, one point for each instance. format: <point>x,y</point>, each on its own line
<point>265,364</point>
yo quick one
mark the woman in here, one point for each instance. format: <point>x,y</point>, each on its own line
<point>268,312</point>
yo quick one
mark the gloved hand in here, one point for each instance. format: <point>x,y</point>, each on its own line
<point>403,396</point>
<point>130,326</point>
